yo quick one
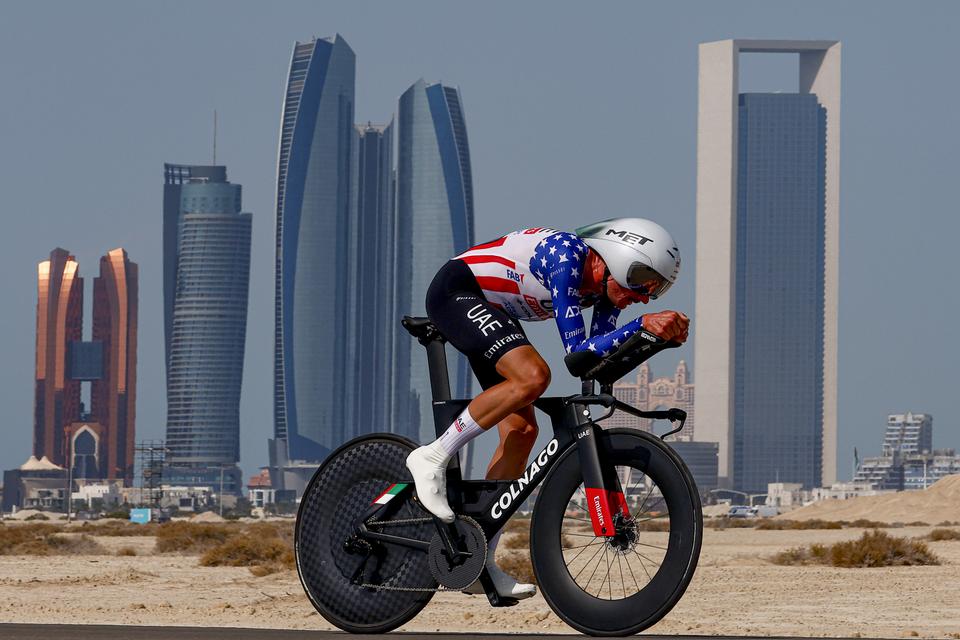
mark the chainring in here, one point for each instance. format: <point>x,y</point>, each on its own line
<point>470,538</point>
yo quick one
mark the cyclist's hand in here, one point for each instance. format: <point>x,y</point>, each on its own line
<point>669,325</point>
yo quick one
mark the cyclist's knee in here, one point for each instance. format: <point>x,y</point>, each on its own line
<point>532,381</point>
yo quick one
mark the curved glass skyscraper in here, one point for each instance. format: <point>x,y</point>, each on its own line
<point>208,332</point>
<point>312,245</point>
<point>435,222</point>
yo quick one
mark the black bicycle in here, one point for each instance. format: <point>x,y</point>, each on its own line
<point>615,531</point>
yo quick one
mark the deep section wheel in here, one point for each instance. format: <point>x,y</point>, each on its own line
<point>622,584</point>
<point>356,584</point>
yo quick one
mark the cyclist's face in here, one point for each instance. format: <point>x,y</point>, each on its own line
<point>621,296</point>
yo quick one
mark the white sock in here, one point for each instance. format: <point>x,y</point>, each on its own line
<point>463,430</point>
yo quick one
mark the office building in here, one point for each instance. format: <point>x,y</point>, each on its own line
<point>174,177</point>
<point>312,253</point>
<point>907,460</point>
<point>908,433</point>
<point>435,222</point>
<point>114,393</point>
<point>208,328</point>
<point>97,443</point>
<point>767,267</point>
<point>373,284</point>
<point>59,325</point>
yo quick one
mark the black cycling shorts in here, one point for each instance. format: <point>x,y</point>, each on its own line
<point>478,329</point>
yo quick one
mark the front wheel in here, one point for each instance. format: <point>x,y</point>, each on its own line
<point>622,584</point>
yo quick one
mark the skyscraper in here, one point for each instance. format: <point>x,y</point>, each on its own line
<point>435,222</point>
<point>312,244</point>
<point>114,393</point>
<point>372,287</point>
<point>767,267</point>
<point>59,324</point>
<point>208,328</point>
<point>174,177</point>
<point>100,441</point>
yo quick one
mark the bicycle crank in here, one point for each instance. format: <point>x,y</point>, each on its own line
<point>461,568</point>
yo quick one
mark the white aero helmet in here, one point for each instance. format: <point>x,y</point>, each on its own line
<point>636,251</point>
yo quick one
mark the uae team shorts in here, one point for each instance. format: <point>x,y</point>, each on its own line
<point>478,329</point>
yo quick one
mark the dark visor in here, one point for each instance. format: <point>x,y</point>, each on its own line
<point>646,281</point>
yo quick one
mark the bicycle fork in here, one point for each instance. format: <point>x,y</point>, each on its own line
<point>604,494</point>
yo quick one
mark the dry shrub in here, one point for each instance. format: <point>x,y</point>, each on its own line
<point>872,549</point>
<point>57,544</point>
<point>263,555</point>
<point>798,525</point>
<point>653,524</point>
<point>518,565</point>
<point>263,547</point>
<point>516,525</point>
<point>517,540</point>
<point>126,551</point>
<point>918,523</point>
<point>283,530</point>
<point>863,523</point>
<point>194,537</point>
<point>13,536</point>
<point>947,523</point>
<point>724,522</point>
<point>814,554</point>
<point>939,535</point>
<point>38,516</point>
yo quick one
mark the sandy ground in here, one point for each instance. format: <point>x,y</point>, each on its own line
<point>735,591</point>
<point>937,503</point>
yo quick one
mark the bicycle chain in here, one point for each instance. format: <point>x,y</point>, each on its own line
<point>384,523</point>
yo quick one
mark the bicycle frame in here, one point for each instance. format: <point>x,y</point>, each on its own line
<point>491,502</point>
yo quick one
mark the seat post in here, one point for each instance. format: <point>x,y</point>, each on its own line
<point>437,364</point>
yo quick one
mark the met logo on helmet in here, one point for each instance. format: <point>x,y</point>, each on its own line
<point>628,237</point>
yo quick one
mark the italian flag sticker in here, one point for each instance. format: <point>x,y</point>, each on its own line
<point>391,491</point>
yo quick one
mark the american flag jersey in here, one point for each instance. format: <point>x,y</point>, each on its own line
<point>535,274</point>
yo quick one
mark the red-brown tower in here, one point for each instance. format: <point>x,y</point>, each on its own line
<point>101,441</point>
<point>113,396</point>
<point>59,323</point>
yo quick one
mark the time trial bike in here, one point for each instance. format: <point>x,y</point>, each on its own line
<point>615,531</point>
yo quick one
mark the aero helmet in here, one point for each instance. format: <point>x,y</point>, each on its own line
<point>636,251</point>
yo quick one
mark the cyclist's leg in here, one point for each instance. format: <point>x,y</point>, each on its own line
<point>501,356</point>
<point>523,377</point>
<point>518,432</point>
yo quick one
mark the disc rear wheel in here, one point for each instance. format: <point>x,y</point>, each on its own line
<point>337,573</point>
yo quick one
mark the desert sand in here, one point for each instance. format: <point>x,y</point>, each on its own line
<point>736,590</point>
<point>937,503</point>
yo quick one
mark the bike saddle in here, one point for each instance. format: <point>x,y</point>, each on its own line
<point>639,347</point>
<point>422,329</point>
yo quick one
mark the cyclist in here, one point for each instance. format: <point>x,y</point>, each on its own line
<point>476,299</point>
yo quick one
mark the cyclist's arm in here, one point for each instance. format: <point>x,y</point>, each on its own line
<point>560,257</point>
<point>604,319</point>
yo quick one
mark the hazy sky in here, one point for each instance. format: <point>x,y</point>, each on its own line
<point>574,113</point>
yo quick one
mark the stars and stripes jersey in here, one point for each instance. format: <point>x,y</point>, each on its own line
<point>535,274</point>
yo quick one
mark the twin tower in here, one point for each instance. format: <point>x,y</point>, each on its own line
<point>99,438</point>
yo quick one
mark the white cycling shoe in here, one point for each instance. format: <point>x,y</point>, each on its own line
<point>505,584</point>
<point>429,470</point>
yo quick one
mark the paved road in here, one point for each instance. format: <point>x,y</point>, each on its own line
<point>119,632</point>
